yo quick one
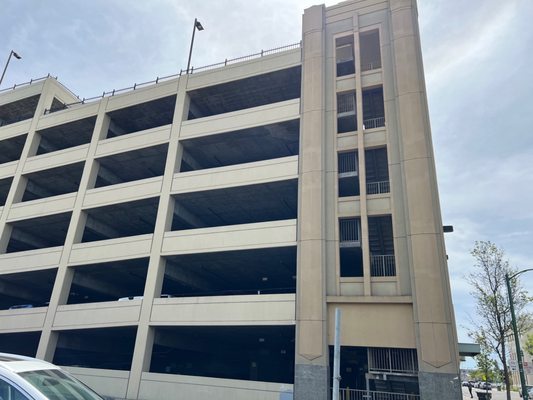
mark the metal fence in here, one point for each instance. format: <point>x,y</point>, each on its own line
<point>392,360</point>
<point>349,232</point>
<point>347,162</point>
<point>372,123</point>
<point>377,187</point>
<point>346,103</point>
<point>382,265</point>
<point>371,65</point>
<point>355,394</point>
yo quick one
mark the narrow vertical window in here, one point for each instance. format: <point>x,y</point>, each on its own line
<point>370,50</point>
<point>344,56</point>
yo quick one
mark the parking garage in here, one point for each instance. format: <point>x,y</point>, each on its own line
<point>120,220</point>
<point>27,289</point>
<point>64,136</point>
<point>237,205</point>
<point>242,146</point>
<point>259,90</point>
<point>243,272</point>
<point>132,165</point>
<point>141,116</point>
<point>258,353</point>
<point>105,348</point>
<point>38,233</point>
<point>108,281</point>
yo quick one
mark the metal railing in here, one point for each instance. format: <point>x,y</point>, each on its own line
<point>374,122</point>
<point>347,162</point>
<point>30,82</point>
<point>371,65</point>
<point>349,232</point>
<point>357,394</point>
<point>392,360</point>
<point>346,103</point>
<point>136,86</point>
<point>262,53</point>
<point>382,265</point>
<point>378,187</point>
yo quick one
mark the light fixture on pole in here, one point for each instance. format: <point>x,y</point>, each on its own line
<point>12,53</point>
<point>515,332</point>
<point>197,25</point>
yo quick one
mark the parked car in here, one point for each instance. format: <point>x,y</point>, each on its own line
<point>129,298</point>
<point>485,386</point>
<point>26,378</point>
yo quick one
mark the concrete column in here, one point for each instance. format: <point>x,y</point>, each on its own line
<point>142,353</point>
<point>434,323</point>
<point>311,369</point>
<point>19,182</point>
<point>48,341</point>
<point>365,245</point>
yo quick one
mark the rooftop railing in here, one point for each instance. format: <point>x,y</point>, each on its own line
<point>136,86</point>
<point>30,82</point>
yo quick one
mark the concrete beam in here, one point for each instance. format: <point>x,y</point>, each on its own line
<point>187,216</point>
<point>186,157</point>
<point>108,176</point>
<point>101,228</point>
<point>28,238</point>
<point>186,279</point>
<point>18,291</point>
<point>37,190</point>
<point>115,129</point>
<point>99,286</point>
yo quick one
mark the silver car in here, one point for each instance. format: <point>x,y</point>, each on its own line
<point>26,378</point>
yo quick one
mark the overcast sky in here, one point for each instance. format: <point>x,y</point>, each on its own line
<point>478,61</point>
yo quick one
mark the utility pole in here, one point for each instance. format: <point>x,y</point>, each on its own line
<point>337,355</point>
<point>523,388</point>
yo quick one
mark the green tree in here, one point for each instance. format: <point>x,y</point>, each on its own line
<point>492,324</point>
<point>529,344</point>
<point>487,368</point>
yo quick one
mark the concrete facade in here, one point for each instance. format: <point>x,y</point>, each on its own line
<point>231,211</point>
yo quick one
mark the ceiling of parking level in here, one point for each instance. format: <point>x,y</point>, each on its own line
<point>246,145</point>
<point>53,182</point>
<point>231,272</point>
<point>238,205</point>
<point>120,220</point>
<point>132,165</point>
<point>5,185</point>
<point>18,110</point>
<point>108,281</point>
<point>10,149</point>
<point>67,135</point>
<point>142,116</point>
<point>33,288</point>
<point>244,93</point>
<point>36,233</point>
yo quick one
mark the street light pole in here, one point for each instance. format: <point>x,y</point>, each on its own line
<point>12,53</point>
<point>197,25</point>
<point>515,332</point>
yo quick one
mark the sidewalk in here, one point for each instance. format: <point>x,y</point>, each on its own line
<point>496,395</point>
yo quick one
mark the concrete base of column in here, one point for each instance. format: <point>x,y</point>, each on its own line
<point>311,382</point>
<point>439,386</point>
